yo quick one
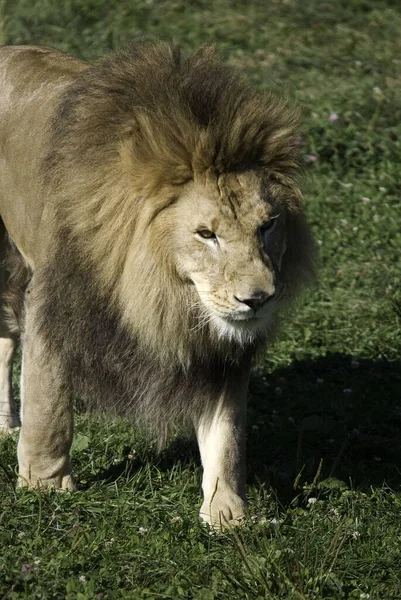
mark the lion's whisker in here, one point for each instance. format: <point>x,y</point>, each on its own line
<point>205,319</point>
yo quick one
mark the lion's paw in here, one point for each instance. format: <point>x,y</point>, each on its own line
<point>223,510</point>
<point>59,483</point>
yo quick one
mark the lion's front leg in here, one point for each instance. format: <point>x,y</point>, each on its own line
<point>221,438</point>
<point>47,420</point>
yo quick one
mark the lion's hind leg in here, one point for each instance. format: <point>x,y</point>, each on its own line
<point>8,412</point>
<point>8,340</point>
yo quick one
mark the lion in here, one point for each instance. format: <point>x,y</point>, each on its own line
<point>154,230</point>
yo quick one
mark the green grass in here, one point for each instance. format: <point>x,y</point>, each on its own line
<point>325,403</point>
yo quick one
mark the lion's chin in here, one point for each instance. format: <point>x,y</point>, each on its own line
<point>243,332</point>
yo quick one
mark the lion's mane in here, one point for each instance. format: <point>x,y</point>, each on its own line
<point>128,133</point>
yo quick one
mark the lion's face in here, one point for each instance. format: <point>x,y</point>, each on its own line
<point>230,244</point>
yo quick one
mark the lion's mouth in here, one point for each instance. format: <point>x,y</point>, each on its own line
<point>241,319</point>
<point>242,323</point>
<point>244,331</point>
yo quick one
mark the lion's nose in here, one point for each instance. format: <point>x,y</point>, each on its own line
<point>256,300</point>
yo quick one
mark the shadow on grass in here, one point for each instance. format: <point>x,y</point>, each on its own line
<point>335,416</point>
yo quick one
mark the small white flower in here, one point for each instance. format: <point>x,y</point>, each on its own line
<point>355,229</point>
<point>382,189</point>
<point>364,595</point>
<point>347,391</point>
<point>377,458</point>
<point>82,578</point>
<point>142,530</point>
<point>343,222</point>
<point>312,500</point>
<point>21,534</point>
<point>176,518</point>
<point>319,380</point>
<point>376,218</point>
<point>378,94</point>
<point>356,535</point>
<point>109,542</point>
<point>366,200</point>
<point>348,186</point>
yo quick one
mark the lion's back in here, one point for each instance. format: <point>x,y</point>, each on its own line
<point>32,80</point>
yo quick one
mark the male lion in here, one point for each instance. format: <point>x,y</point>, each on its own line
<point>155,229</point>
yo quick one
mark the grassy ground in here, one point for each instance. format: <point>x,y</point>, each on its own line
<point>325,404</point>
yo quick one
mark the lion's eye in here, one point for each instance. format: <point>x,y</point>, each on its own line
<point>269,227</point>
<point>206,234</point>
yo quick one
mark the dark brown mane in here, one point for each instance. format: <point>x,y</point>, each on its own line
<point>181,116</point>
